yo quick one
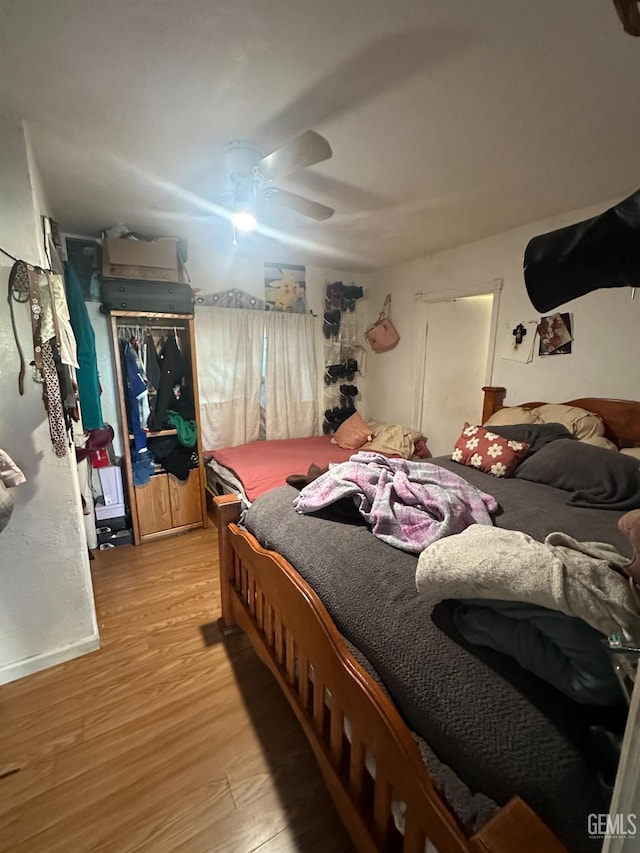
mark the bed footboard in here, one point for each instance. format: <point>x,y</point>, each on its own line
<point>369,760</point>
<point>225,511</point>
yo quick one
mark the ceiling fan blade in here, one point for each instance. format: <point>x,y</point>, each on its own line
<point>312,209</point>
<point>305,150</point>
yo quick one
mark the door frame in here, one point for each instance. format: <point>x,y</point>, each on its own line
<point>423,300</point>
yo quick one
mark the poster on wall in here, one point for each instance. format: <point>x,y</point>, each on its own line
<point>519,347</point>
<point>555,334</point>
<point>285,288</point>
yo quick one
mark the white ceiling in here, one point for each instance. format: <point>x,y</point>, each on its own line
<point>449,121</point>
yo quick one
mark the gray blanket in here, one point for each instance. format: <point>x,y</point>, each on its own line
<point>502,736</point>
<point>559,649</point>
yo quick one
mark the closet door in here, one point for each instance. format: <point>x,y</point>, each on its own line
<point>458,339</point>
<point>185,498</point>
<point>154,506</point>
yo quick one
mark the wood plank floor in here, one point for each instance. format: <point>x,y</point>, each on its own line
<point>167,739</point>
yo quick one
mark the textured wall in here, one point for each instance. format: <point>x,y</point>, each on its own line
<point>46,600</point>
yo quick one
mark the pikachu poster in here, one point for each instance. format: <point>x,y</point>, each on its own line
<point>285,288</point>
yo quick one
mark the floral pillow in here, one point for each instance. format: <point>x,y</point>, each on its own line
<point>489,452</point>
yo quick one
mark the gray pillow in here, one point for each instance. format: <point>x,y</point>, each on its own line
<point>535,435</point>
<point>595,476</point>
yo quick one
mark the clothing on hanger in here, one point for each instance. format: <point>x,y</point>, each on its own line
<point>10,474</point>
<point>172,370</point>
<point>53,401</point>
<point>136,388</point>
<point>6,506</point>
<point>143,398</point>
<point>87,374</point>
<point>55,318</point>
<point>151,361</point>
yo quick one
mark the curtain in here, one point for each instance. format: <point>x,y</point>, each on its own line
<point>229,345</point>
<point>291,409</point>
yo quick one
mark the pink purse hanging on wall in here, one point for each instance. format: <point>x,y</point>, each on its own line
<point>383,335</point>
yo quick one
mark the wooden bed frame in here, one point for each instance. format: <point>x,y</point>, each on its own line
<point>294,636</point>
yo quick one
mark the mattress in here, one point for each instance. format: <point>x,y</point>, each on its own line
<point>503,731</point>
<point>263,465</point>
<point>222,481</point>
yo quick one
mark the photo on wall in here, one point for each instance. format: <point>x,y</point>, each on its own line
<point>556,335</point>
<point>285,288</point>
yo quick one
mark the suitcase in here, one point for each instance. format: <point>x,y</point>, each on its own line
<point>112,540</point>
<point>112,524</point>
<point>159,296</point>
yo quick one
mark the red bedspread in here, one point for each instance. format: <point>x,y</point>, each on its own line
<point>263,465</point>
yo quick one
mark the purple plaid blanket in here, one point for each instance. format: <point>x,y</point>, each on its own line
<point>408,504</point>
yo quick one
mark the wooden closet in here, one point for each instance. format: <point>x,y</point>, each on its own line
<point>165,505</point>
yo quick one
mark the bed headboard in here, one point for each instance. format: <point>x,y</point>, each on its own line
<point>621,417</point>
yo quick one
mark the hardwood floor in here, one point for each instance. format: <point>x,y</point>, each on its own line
<point>167,739</point>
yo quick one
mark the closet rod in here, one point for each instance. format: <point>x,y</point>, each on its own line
<point>147,326</point>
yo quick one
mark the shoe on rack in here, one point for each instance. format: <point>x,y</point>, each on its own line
<point>353,291</point>
<point>333,294</point>
<point>350,369</point>
<point>349,390</point>
<point>347,403</point>
<point>331,325</point>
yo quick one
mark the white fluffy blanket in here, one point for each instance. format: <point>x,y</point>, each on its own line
<point>562,574</point>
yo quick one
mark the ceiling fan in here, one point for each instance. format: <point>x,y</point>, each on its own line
<point>251,177</point>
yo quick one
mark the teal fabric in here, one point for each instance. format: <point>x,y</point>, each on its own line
<point>87,373</point>
<point>187,433</point>
<point>562,650</point>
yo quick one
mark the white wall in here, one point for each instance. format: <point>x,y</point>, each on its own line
<point>606,347</point>
<point>246,271</point>
<point>212,270</point>
<point>47,613</point>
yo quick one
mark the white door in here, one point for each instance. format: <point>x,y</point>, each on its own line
<point>455,367</point>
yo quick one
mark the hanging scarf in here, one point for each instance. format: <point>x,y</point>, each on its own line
<point>24,287</point>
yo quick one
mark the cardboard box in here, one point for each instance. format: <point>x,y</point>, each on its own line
<point>103,513</point>
<point>142,260</point>
<point>112,488</point>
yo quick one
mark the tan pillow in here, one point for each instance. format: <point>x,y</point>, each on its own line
<point>600,441</point>
<point>579,422</point>
<point>631,451</point>
<point>513,415</point>
<point>393,440</point>
<point>353,433</point>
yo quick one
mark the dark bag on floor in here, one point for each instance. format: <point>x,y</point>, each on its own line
<point>573,261</point>
<point>160,296</point>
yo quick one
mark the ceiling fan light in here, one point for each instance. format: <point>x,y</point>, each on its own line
<point>244,221</point>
